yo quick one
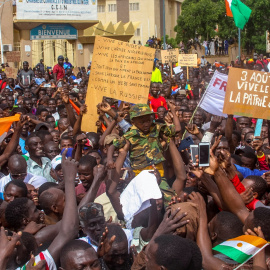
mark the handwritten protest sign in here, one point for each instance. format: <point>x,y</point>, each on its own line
<point>187,60</point>
<point>119,70</point>
<point>247,93</point>
<point>13,56</point>
<point>213,98</point>
<point>169,56</point>
<point>11,72</point>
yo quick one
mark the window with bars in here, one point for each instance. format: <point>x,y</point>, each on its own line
<point>112,8</point>
<point>134,6</point>
<point>101,8</point>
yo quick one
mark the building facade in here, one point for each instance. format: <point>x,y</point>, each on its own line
<point>127,20</point>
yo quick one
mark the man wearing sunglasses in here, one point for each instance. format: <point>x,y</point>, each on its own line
<point>17,168</point>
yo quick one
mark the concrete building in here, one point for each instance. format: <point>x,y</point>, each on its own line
<point>148,12</point>
<point>126,20</point>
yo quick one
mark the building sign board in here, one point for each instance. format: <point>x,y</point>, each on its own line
<point>57,10</point>
<point>53,31</point>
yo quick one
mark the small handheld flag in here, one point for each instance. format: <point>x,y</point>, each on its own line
<point>242,248</point>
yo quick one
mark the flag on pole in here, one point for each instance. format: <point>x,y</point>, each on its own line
<point>242,248</point>
<point>239,11</point>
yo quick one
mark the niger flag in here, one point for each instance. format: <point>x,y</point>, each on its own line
<point>239,11</point>
<point>5,123</point>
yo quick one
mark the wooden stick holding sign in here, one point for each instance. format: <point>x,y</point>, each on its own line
<point>119,70</point>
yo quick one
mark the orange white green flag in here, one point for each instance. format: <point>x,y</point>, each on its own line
<point>239,11</point>
<point>242,248</point>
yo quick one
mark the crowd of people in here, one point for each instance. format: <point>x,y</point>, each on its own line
<point>64,201</point>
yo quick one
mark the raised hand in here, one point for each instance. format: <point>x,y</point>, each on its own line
<point>100,172</point>
<point>105,244</point>
<point>224,159</point>
<point>171,222</point>
<point>216,143</point>
<point>215,122</point>
<point>104,106</point>
<point>83,109</point>
<point>32,227</point>
<point>247,196</point>
<point>7,246</point>
<point>39,266</point>
<point>81,139</point>
<point>171,107</point>
<point>23,120</point>
<point>213,164</point>
<point>69,166</point>
<point>192,129</point>
<point>257,144</point>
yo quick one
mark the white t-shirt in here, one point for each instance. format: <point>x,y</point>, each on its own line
<point>45,255</point>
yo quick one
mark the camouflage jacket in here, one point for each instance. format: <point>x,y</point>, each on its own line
<point>145,150</point>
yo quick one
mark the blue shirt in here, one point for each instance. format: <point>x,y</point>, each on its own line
<point>22,145</point>
<point>246,171</point>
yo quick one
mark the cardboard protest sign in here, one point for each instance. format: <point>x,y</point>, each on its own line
<point>248,93</point>
<point>11,72</point>
<point>76,70</point>
<point>213,98</point>
<point>13,56</point>
<point>169,56</point>
<point>119,70</point>
<point>187,60</point>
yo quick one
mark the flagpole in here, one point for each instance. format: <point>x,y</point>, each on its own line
<point>239,43</point>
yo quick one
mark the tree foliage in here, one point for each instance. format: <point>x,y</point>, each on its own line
<point>201,17</point>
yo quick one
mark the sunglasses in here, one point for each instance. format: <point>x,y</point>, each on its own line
<point>248,140</point>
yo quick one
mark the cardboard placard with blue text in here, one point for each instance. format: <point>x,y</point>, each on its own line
<point>119,70</point>
<point>247,93</point>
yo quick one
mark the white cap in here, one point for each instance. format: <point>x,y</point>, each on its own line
<point>56,161</point>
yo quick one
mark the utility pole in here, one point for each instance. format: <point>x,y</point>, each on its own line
<point>164,27</point>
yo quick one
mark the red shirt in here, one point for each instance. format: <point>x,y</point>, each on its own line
<point>81,190</point>
<point>157,102</point>
<point>59,71</point>
<point>3,85</point>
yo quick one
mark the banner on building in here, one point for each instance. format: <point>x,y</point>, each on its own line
<point>57,10</point>
<point>187,60</point>
<point>169,56</point>
<point>119,70</point>
<point>248,93</point>
<point>213,98</point>
<point>53,31</point>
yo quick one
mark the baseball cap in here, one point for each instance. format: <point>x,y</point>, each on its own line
<point>139,110</point>
<point>60,57</point>
<point>244,149</point>
<point>40,126</point>
<point>56,161</point>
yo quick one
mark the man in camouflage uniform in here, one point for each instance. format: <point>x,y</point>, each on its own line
<point>145,138</point>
